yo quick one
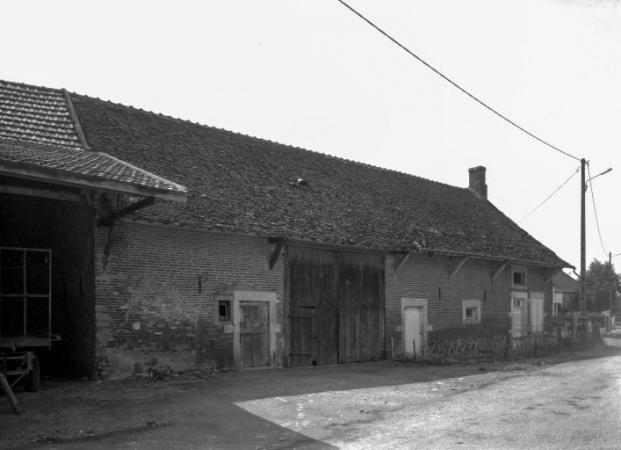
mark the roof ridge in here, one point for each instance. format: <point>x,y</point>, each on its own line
<point>76,120</point>
<point>163,180</point>
<point>31,86</point>
<point>186,121</point>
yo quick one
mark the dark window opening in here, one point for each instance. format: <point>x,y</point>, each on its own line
<point>25,292</point>
<point>224,310</point>
<point>518,278</point>
<point>472,313</point>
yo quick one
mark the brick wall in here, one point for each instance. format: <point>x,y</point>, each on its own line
<point>156,288</point>
<point>427,277</point>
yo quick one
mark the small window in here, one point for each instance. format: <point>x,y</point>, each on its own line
<point>518,276</point>
<point>471,312</point>
<point>224,310</point>
<point>518,300</point>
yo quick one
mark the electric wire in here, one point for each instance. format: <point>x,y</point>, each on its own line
<point>437,72</point>
<point>601,241</point>
<point>550,196</point>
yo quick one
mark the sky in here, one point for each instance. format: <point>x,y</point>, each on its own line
<point>312,74</point>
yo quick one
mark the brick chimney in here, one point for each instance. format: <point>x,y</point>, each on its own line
<point>477,181</point>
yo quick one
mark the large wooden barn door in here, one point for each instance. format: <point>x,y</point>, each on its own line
<point>361,312</point>
<point>312,307</point>
<point>335,309</point>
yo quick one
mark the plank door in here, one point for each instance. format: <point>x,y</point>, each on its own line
<point>312,309</point>
<point>360,307</point>
<point>254,334</point>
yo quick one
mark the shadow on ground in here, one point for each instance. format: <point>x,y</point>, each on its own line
<point>202,413</point>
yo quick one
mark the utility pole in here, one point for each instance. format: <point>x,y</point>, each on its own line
<point>611,292</point>
<point>583,188</point>
<point>609,321</point>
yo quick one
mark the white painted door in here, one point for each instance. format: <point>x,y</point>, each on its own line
<point>413,332</point>
<point>518,315</point>
<point>536,312</point>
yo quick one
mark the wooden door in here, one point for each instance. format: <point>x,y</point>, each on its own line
<point>335,307</point>
<point>312,308</point>
<point>254,334</point>
<point>518,314</point>
<point>536,312</point>
<point>360,307</point>
<point>413,332</point>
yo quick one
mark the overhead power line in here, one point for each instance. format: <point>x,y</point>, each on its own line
<point>549,196</point>
<point>429,66</point>
<point>599,232</point>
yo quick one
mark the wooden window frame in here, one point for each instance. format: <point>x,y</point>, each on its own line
<point>523,271</point>
<point>473,304</point>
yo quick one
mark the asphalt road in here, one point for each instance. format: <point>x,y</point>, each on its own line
<point>574,405</point>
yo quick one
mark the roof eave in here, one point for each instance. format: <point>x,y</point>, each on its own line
<point>66,178</point>
<point>561,264</point>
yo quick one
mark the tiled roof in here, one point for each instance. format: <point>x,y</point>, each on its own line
<point>36,114</point>
<point>77,166</point>
<point>41,138</point>
<point>248,185</point>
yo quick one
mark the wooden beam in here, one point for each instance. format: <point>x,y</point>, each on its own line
<point>458,267</point>
<point>276,253</point>
<point>499,270</point>
<point>403,261</point>
<point>108,220</point>
<point>6,387</point>
<point>43,193</point>
<point>87,196</point>
<point>551,277</point>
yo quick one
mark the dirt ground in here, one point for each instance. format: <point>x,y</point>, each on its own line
<point>132,412</point>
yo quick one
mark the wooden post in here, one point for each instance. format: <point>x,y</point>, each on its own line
<point>6,387</point>
<point>441,354</point>
<point>559,333</point>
